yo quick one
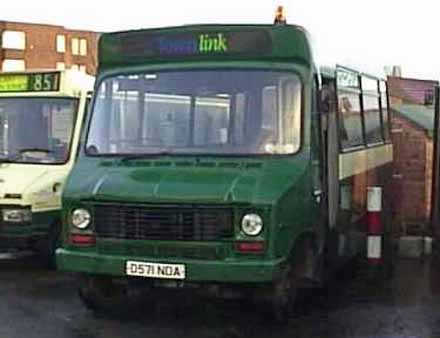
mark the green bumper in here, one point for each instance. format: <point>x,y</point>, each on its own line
<point>227,271</point>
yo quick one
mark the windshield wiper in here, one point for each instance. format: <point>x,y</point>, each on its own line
<point>14,157</point>
<point>37,150</point>
<point>144,156</point>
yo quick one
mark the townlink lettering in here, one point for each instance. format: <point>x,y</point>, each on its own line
<point>204,44</point>
<point>216,44</point>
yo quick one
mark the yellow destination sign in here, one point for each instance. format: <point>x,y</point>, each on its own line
<point>14,83</point>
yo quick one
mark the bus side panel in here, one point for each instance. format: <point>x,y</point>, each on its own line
<point>359,170</point>
<point>353,184</point>
<point>381,176</point>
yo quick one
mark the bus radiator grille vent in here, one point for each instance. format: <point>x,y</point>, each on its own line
<point>166,223</point>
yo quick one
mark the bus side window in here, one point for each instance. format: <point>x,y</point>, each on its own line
<point>385,110</point>
<point>371,110</point>
<point>351,129</point>
<point>350,121</point>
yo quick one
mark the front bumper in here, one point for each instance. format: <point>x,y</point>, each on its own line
<point>19,242</point>
<point>25,235</point>
<point>225,271</point>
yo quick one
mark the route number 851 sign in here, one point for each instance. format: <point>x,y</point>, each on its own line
<point>44,82</point>
<point>32,82</point>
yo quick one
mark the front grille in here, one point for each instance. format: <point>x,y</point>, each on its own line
<point>165,223</point>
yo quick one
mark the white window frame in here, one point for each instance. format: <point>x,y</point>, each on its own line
<point>60,66</point>
<point>14,40</point>
<point>13,65</point>
<point>83,47</point>
<point>61,43</point>
<point>75,46</point>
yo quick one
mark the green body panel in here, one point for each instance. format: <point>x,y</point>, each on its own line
<point>186,179</point>
<point>232,271</point>
<point>279,188</point>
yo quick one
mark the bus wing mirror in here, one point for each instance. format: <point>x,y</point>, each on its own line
<point>325,100</point>
<point>317,195</point>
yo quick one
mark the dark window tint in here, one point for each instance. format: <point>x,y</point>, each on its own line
<point>350,122</point>
<point>371,110</point>
<point>385,112</point>
<point>212,116</point>
<point>45,124</point>
<point>373,131</point>
<point>198,112</point>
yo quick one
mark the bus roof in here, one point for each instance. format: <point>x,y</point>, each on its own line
<point>205,43</point>
<point>331,72</point>
<point>47,82</point>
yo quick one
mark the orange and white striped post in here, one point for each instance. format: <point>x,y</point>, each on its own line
<point>375,228</point>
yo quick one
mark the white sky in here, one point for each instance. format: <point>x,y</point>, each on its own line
<point>366,34</point>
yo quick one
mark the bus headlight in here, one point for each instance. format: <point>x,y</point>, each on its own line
<point>17,215</point>
<point>80,218</point>
<point>252,224</point>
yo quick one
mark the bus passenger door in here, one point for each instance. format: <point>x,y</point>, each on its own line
<point>330,148</point>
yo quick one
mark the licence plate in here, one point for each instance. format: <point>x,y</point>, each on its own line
<point>155,270</point>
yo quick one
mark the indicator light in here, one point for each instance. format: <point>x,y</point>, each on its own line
<point>250,247</point>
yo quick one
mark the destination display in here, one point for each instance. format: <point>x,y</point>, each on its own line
<point>153,44</point>
<point>32,82</point>
<point>347,79</point>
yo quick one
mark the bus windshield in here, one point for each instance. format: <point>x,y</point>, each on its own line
<point>36,129</point>
<point>197,112</point>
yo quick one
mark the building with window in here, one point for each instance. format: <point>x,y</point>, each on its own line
<point>38,46</point>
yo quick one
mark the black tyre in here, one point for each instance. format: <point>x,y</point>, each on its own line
<point>284,290</point>
<point>283,298</point>
<point>100,293</point>
<point>54,241</point>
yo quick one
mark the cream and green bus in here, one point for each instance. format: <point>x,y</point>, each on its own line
<point>41,113</point>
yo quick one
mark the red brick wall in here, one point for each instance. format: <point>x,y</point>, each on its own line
<point>428,175</point>
<point>40,52</point>
<point>411,90</point>
<point>412,162</point>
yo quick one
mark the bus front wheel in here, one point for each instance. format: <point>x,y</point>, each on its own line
<point>300,269</point>
<point>100,293</point>
<point>283,297</point>
<point>53,242</point>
